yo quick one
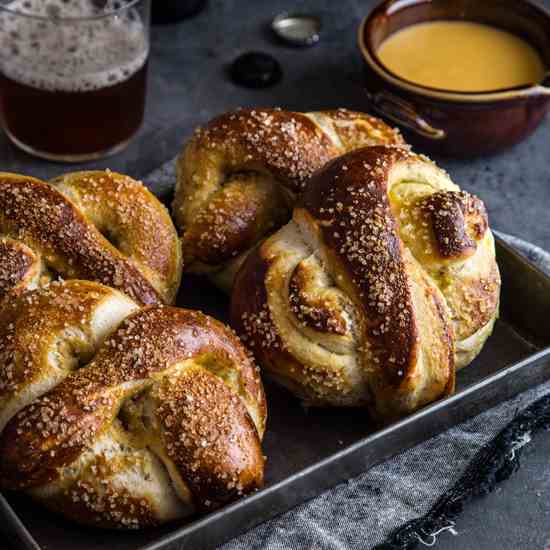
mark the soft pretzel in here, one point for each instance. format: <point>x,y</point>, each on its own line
<point>123,417</point>
<point>238,177</point>
<point>100,226</point>
<point>383,283</point>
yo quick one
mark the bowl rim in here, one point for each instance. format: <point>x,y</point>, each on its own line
<point>370,57</point>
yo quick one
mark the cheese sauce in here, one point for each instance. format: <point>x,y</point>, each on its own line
<point>461,56</point>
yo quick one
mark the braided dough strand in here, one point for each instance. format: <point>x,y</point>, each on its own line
<point>164,418</point>
<point>59,230</point>
<point>383,283</point>
<point>238,178</point>
<point>133,220</point>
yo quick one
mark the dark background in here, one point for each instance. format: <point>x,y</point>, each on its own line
<point>188,84</point>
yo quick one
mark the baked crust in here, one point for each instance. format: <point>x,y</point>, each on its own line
<point>383,283</point>
<point>60,229</point>
<point>239,176</point>
<point>164,419</point>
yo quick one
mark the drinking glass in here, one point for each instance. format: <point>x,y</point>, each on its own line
<point>73,75</point>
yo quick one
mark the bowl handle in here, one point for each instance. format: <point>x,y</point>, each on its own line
<point>403,113</point>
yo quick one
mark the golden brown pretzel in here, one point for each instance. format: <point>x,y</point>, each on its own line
<point>100,226</point>
<point>123,417</point>
<point>382,284</point>
<point>238,177</point>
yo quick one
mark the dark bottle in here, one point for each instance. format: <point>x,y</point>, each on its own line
<point>171,11</point>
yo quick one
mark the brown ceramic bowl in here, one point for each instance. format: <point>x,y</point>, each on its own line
<point>448,122</point>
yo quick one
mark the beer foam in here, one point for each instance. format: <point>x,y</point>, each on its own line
<point>71,56</point>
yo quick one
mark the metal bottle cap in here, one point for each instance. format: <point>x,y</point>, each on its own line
<point>298,29</point>
<point>256,70</point>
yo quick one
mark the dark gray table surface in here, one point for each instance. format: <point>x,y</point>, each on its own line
<point>188,84</point>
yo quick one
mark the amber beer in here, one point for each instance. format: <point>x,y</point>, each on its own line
<point>72,90</point>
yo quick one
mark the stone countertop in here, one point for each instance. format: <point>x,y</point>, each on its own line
<point>188,84</point>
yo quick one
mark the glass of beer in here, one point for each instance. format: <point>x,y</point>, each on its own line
<point>73,75</point>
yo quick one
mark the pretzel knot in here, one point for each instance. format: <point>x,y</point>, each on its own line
<point>383,283</point>
<point>99,226</point>
<point>124,417</point>
<point>238,178</point>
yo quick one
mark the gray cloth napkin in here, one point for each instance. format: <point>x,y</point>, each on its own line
<point>364,511</point>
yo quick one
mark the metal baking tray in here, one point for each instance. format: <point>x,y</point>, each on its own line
<point>311,450</point>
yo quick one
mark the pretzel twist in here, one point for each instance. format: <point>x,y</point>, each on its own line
<point>123,417</point>
<point>239,177</point>
<point>100,226</point>
<point>383,283</point>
